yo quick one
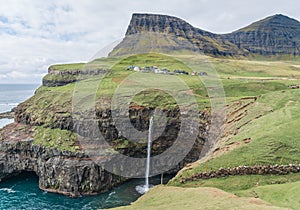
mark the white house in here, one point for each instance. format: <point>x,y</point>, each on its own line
<point>136,68</point>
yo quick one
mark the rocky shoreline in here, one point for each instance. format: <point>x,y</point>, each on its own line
<point>7,115</point>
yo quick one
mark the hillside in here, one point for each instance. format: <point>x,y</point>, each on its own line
<point>192,198</point>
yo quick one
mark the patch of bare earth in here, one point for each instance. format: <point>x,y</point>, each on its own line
<point>16,132</point>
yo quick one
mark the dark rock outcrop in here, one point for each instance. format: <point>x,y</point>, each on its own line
<point>75,173</point>
<point>245,170</point>
<point>64,172</point>
<point>7,115</point>
<point>56,78</point>
<point>139,119</point>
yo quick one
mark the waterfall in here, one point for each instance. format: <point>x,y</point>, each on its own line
<point>145,188</point>
<point>148,154</point>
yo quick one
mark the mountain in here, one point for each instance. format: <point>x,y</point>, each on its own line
<point>162,33</point>
<point>275,35</point>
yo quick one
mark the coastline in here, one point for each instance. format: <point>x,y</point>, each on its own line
<point>7,115</point>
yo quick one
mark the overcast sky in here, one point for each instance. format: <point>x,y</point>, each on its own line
<point>37,33</point>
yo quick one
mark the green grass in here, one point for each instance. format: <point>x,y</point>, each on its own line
<point>279,190</point>
<point>68,67</point>
<point>118,74</point>
<point>169,198</point>
<point>244,88</point>
<point>283,195</point>
<point>235,184</point>
<point>234,87</point>
<point>225,67</point>
<point>62,140</point>
<point>240,78</point>
<point>255,68</point>
<point>283,57</point>
<point>144,60</point>
<point>154,98</point>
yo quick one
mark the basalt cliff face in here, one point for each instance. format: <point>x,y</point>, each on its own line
<point>68,173</point>
<point>275,35</point>
<point>76,173</point>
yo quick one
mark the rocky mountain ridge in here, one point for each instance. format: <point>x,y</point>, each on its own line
<point>275,35</point>
<point>150,33</point>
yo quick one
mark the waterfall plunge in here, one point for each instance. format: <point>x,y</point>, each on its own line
<point>142,189</point>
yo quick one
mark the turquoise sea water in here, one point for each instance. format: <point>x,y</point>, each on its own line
<point>22,192</point>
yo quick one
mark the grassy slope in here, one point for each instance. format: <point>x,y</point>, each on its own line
<point>273,135</point>
<point>165,198</point>
<point>239,85</point>
<point>272,125</point>
<point>68,67</point>
<point>118,74</point>
<point>55,138</point>
<point>283,195</point>
<point>264,69</point>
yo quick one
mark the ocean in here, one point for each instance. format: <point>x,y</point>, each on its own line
<point>11,95</point>
<point>22,192</point>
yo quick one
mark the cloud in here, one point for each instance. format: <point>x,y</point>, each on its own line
<point>35,34</point>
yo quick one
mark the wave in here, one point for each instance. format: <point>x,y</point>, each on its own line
<point>4,122</point>
<point>8,190</point>
<point>9,104</point>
